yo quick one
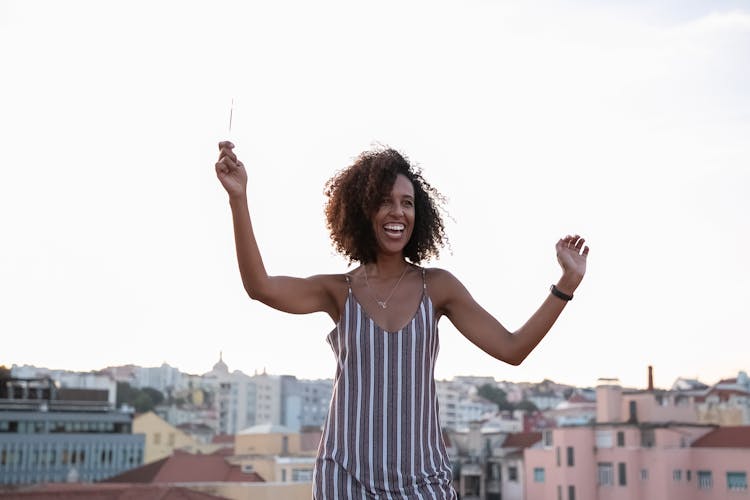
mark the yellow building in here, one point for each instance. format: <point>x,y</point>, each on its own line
<point>276,453</point>
<point>162,438</point>
<point>282,458</point>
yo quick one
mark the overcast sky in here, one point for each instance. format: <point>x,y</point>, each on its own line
<point>625,121</point>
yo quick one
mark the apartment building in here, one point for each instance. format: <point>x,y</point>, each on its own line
<point>52,434</point>
<point>645,444</point>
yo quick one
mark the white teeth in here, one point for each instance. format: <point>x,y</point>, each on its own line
<point>394,227</point>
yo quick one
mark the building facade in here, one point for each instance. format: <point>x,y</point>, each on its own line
<point>49,435</point>
<point>644,444</point>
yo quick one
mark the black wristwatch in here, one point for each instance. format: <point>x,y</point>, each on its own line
<point>560,295</point>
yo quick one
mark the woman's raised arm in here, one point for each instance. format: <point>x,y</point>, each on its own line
<point>292,295</point>
<point>486,332</point>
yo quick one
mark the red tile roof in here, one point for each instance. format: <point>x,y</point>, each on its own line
<point>725,437</point>
<point>728,381</point>
<point>182,467</point>
<point>522,439</point>
<point>64,491</point>
<point>723,394</point>
<point>223,439</point>
<point>578,398</point>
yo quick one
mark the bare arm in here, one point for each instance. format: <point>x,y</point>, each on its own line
<point>293,295</point>
<point>487,333</point>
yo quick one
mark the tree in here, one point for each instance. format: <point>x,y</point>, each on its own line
<point>156,396</point>
<point>526,405</point>
<point>496,395</point>
<point>142,400</point>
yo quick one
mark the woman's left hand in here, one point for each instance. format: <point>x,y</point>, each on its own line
<point>571,254</point>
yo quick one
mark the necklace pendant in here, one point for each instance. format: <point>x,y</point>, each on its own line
<point>382,305</point>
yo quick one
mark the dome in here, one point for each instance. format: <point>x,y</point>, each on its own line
<point>220,366</point>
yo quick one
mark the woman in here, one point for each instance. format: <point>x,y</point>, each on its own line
<point>382,436</point>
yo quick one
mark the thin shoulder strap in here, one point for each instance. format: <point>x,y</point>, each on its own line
<point>424,279</point>
<point>348,282</point>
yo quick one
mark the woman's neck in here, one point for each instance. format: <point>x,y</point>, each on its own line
<point>387,266</point>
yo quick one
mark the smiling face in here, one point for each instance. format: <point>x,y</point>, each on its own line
<point>393,222</point>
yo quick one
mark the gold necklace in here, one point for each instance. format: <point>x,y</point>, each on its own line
<point>384,303</point>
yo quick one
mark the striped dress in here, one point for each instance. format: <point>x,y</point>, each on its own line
<point>382,436</point>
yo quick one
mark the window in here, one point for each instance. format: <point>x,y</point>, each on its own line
<point>632,411</point>
<point>471,485</point>
<point>157,438</point>
<point>548,438</point>
<point>644,474</point>
<point>538,474</point>
<point>677,475</point>
<point>571,461</point>
<point>737,481</point>
<point>559,493</point>
<point>170,439</point>
<point>605,473</point>
<point>705,481</point>
<point>512,473</point>
<point>571,492</point>
<point>283,475</point>
<point>621,476</point>
<point>493,471</point>
<point>620,439</point>
<point>302,475</point>
<point>557,454</point>
<point>648,438</point>
<point>603,439</point>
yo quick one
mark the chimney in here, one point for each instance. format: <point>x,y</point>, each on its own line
<point>650,378</point>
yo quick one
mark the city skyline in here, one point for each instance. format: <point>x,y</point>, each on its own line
<point>649,371</point>
<point>626,122</point>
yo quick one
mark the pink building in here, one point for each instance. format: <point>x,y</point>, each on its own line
<point>644,445</point>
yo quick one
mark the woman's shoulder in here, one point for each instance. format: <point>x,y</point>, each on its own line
<point>441,283</point>
<point>441,286</point>
<point>440,275</point>
<point>332,280</point>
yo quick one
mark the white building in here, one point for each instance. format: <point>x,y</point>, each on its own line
<point>163,378</point>
<point>70,380</point>
<point>449,394</point>
<point>305,402</point>
<point>268,400</point>
<point>459,405</point>
<point>474,408</point>
<point>234,397</point>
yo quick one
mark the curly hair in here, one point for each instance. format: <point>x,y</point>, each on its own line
<point>355,194</point>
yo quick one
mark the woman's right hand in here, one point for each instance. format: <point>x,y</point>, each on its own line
<point>230,171</point>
